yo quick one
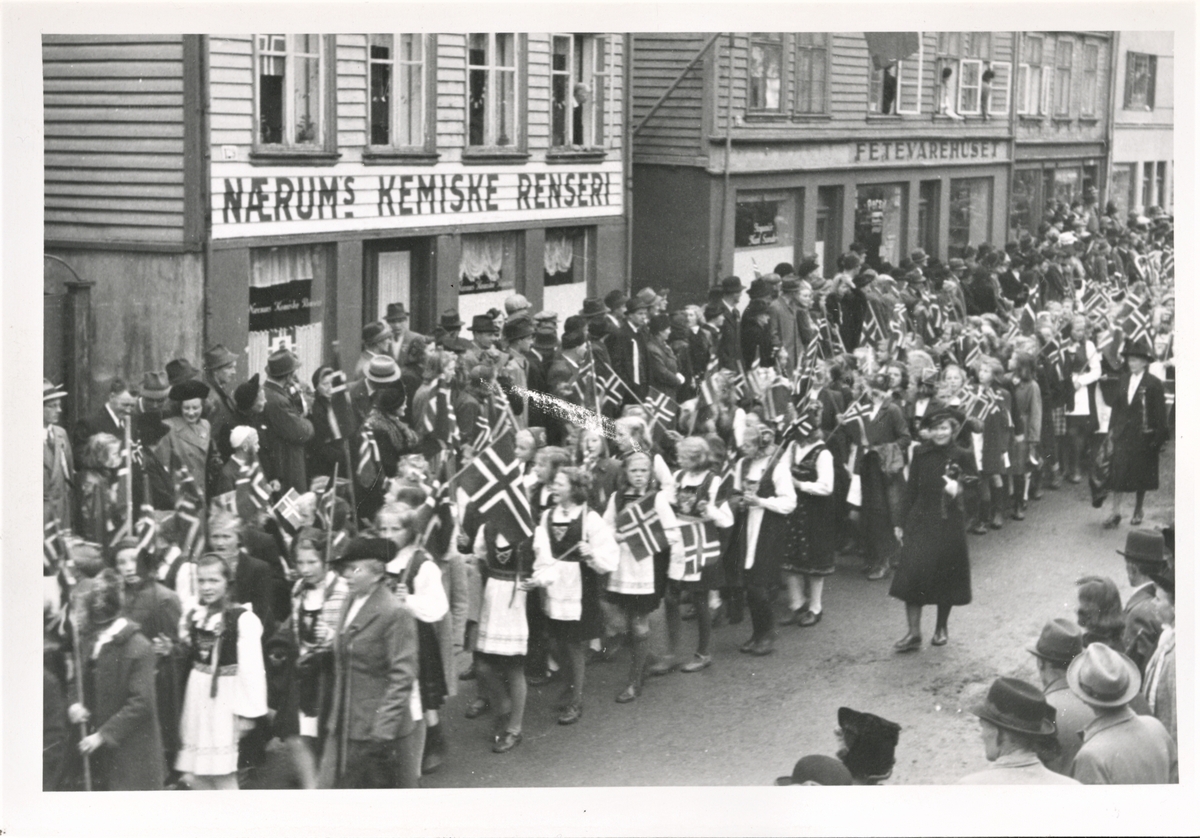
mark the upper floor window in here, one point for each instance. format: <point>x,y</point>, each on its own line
<point>492,107</point>
<point>997,86</point>
<point>895,72</point>
<point>1088,89</point>
<point>1030,99</point>
<point>291,90</point>
<point>1140,72</point>
<point>1064,54</point>
<point>812,57</point>
<point>766,72</point>
<point>397,90</point>
<point>577,90</point>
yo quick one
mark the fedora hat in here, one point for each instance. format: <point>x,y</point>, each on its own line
<point>593,307</point>
<point>544,318</point>
<point>383,370</point>
<point>515,304</point>
<point>374,332</point>
<point>790,284</point>
<point>396,311</point>
<point>51,392</point>
<point>616,299</point>
<point>637,303</point>
<point>1103,677</point>
<point>517,328</point>
<point>1141,347</point>
<point>1060,642</point>
<point>1014,705</point>
<point>180,370</point>
<point>155,385</point>
<point>483,323</point>
<point>188,390</point>
<point>246,394</point>
<point>759,289</point>
<point>648,296</point>
<point>1144,547</point>
<point>817,770</point>
<point>731,285</point>
<point>450,321</point>
<point>281,363</point>
<point>218,357</point>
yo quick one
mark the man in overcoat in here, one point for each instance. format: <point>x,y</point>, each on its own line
<point>627,348</point>
<point>286,430</point>
<point>1143,621</point>
<point>376,736</point>
<point>58,461</point>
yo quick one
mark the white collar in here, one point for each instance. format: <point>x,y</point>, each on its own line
<point>108,634</point>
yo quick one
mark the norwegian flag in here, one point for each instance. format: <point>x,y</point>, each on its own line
<point>51,544</point>
<point>367,469</point>
<point>642,528</point>
<point>492,483</point>
<point>438,418</point>
<point>858,412</point>
<point>775,400</point>
<point>287,511</point>
<point>899,320</point>
<point>663,410</point>
<point>250,489</point>
<point>802,378</point>
<point>980,403</point>
<point>500,422</point>
<point>830,336</point>
<point>872,328</point>
<point>1095,299</point>
<point>583,385</point>
<point>1053,352</point>
<point>701,546</point>
<point>1104,341</point>
<point>188,509</point>
<point>226,502</point>
<point>1168,264</point>
<point>609,384</point>
<point>966,348</point>
<point>146,526</point>
<point>1134,319</point>
<point>707,393</point>
<point>436,517</point>
<point>737,381</point>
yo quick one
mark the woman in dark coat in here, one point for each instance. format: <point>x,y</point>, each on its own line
<point>1138,430</point>
<point>934,566</point>
<point>333,424</point>
<point>118,688</point>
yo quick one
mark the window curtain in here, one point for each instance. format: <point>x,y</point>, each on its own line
<point>559,253</point>
<point>482,258</point>
<point>276,266</point>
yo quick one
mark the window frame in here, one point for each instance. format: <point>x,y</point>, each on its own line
<point>977,87</point>
<point>1007,88</point>
<point>1089,96</point>
<point>587,63</point>
<point>1062,92</point>
<point>1151,81</point>
<point>585,261</point>
<point>428,108</point>
<point>777,41</point>
<point>489,148</point>
<point>324,149</point>
<point>920,82</point>
<point>1025,77</point>
<point>797,85</point>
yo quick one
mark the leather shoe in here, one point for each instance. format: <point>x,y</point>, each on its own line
<point>697,663</point>
<point>748,645</point>
<point>940,636</point>
<point>629,694</point>
<point>572,714</point>
<point>792,618</point>
<point>477,708</point>
<point>877,573</point>
<point>810,618</point>
<point>763,647</point>
<point>1112,522</point>
<point>1136,518</point>
<point>662,667</point>
<point>506,741</point>
<point>908,643</point>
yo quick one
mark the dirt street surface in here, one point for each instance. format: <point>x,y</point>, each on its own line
<point>746,720</point>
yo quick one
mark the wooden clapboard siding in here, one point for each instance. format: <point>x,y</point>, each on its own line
<point>231,93</point>
<point>114,110</point>
<point>675,130</point>
<point>537,119</point>
<point>614,116</point>
<point>1075,128</point>
<point>451,95</point>
<point>351,93</point>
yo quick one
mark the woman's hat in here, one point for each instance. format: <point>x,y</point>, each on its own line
<point>180,370</point>
<point>870,743</point>
<point>1103,677</point>
<point>941,414</point>
<point>574,339</point>
<point>817,770</point>
<point>483,324</point>
<point>281,363</point>
<point>760,289</point>
<point>1014,705</point>
<point>807,265</point>
<point>1061,642</point>
<point>383,370</point>
<point>517,328</point>
<point>374,332</point>
<point>218,357</point>
<point>1144,547</point>
<point>1141,347</point>
<point>515,304</point>
<point>390,399</point>
<point>240,434</point>
<point>640,301</point>
<point>246,393</point>
<point>188,390</point>
<point>659,322</point>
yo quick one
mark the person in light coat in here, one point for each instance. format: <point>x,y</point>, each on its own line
<point>58,460</point>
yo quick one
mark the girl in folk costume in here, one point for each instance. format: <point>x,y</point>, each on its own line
<point>634,435</point>
<point>572,548</point>
<point>416,579</point>
<point>503,635</point>
<point>591,455</point>
<point>808,554</point>
<point>316,605</point>
<point>1082,371</point>
<point>763,495</point>
<point>632,588</point>
<point>995,449</point>
<point>546,465</point>
<point>696,497</point>
<point>1027,419</point>
<point>227,686</point>
<point>724,418</point>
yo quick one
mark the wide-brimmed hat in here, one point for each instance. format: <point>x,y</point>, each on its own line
<point>543,339</point>
<point>573,339</point>
<point>483,323</point>
<point>382,369</point>
<point>1144,547</point>
<point>246,393</point>
<point>648,296</point>
<point>517,328</point>
<point>870,743</point>
<point>1103,677</point>
<point>218,357</point>
<point>450,321</point>
<point>1060,642</point>
<point>1014,705</point>
<point>789,285</point>
<point>51,392</point>
<point>817,770</point>
<point>281,363</point>
<point>956,264</point>
<point>187,390</point>
<point>374,332</point>
<point>1140,347</point>
<point>180,370</point>
<point>593,307</point>
<point>731,285</point>
<point>155,385</point>
<point>637,303</point>
<point>919,256</point>
<point>396,311</point>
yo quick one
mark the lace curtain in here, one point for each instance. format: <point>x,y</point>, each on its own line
<point>275,266</point>
<point>482,258</point>
<point>559,253</point>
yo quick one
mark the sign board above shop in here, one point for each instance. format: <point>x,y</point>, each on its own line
<point>869,154</point>
<point>250,201</point>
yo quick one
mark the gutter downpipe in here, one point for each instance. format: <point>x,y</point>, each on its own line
<point>721,247</point>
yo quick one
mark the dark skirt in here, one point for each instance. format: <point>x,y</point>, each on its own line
<point>712,577</point>
<point>590,624</point>
<point>772,536</point>
<point>1134,464</point>
<point>431,675</point>
<point>639,604</point>
<point>809,546</point>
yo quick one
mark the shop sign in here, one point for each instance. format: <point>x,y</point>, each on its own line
<point>941,151</point>
<point>284,202</point>
<point>285,305</point>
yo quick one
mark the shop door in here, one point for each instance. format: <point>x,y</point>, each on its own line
<point>928,214</point>
<point>396,271</point>
<point>879,221</point>
<point>828,244</point>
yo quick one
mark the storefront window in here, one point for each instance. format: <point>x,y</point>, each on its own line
<point>1160,183</point>
<point>879,221</point>
<point>287,289</point>
<point>764,232</point>
<point>1120,188</point>
<point>928,213</point>
<point>1147,185</point>
<point>568,262</point>
<point>1066,185</point>
<point>488,263</point>
<point>1025,214</point>
<point>970,213</point>
<point>829,228</point>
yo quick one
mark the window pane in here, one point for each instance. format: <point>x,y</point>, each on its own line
<point>560,87</point>
<point>270,98</point>
<point>306,44</point>
<point>410,104</point>
<point>1160,183</point>
<point>1064,54</point>
<point>478,90</point>
<point>764,232</point>
<point>1025,214</point>
<point>410,47</point>
<point>381,89</point>
<point>765,60</point>
<point>1147,185</point>
<point>970,213</point>
<point>307,109</point>
<point>879,222</point>
<point>477,51</point>
<point>1035,51</point>
<point>506,106</point>
<point>506,50</point>
<point>968,86</point>
<point>488,262</point>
